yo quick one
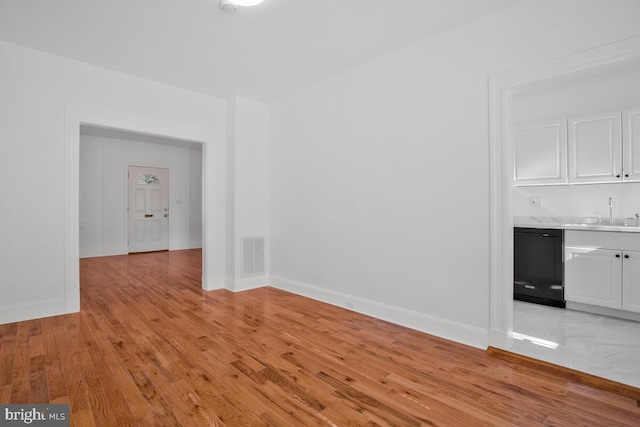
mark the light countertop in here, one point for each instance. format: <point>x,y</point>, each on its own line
<point>627,225</point>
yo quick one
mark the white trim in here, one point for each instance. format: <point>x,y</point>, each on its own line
<point>229,283</point>
<point>605,311</point>
<point>194,245</point>
<point>92,253</point>
<point>502,88</point>
<point>39,309</point>
<point>454,331</point>
<point>74,117</point>
<point>212,283</point>
<point>96,253</point>
<point>247,283</point>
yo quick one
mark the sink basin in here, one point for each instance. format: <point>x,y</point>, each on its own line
<point>585,221</point>
<point>591,220</point>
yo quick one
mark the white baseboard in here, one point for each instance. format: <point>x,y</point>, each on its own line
<point>38,309</point>
<point>454,331</point>
<point>500,339</point>
<point>93,253</point>
<point>72,303</point>
<point>443,328</point>
<point>213,283</point>
<point>248,283</point>
<point>181,246</point>
<point>228,283</point>
<point>245,283</point>
<point>605,311</point>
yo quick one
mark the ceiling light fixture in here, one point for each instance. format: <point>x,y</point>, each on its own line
<point>231,6</point>
<point>246,2</point>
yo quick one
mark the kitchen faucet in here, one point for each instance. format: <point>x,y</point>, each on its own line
<point>611,210</point>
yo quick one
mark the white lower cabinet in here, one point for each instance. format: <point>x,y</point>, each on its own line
<point>603,269</point>
<point>593,276</point>
<point>631,281</point>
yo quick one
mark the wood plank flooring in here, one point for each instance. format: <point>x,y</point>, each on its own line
<point>150,348</point>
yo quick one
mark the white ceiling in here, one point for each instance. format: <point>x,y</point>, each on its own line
<point>265,53</point>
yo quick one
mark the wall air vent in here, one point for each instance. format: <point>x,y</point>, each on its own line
<point>252,256</point>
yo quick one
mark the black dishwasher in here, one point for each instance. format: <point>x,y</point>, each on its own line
<point>538,266</point>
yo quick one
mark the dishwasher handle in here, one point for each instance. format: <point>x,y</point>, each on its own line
<point>552,236</point>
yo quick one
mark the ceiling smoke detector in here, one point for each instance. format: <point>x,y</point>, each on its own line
<point>231,6</point>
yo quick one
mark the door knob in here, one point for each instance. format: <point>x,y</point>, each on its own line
<point>166,215</point>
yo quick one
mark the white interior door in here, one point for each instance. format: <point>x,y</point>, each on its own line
<point>148,209</point>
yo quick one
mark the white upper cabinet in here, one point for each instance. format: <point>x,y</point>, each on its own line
<point>595,148</point>
<point>540,153</point>
<point>579,150</point>
<point>631,144</point>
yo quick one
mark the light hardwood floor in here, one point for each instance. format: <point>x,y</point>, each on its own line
<point>151,348</point>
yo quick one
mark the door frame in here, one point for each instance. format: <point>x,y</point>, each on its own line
<point>213,179</point>
<point>501,90</point>
<point>127,165</point>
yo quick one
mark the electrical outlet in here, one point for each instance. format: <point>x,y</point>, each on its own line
<point>534,202</point>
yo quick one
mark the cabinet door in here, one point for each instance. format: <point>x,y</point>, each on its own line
<point>593,276</point>
<point>595,148</point>
<point>631,281</point>
<point>631,144</point>
<point>540,152</point>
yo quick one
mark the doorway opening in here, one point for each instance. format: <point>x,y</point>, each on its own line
<point>138,193</point>
<point>211,189</point>
<point>503,89</point>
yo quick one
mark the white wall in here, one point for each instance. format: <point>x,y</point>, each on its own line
<point>103,169</point>
<point>613,88</point>
<point>379,177</point>
<point>38,93</point>
<point>247,136</point>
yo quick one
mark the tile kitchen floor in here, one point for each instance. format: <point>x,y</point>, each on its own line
<point>600,345</point>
